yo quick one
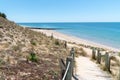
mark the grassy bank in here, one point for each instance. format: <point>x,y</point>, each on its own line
<point>16,46</point>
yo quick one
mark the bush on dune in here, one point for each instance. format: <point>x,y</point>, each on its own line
<point>3,15</point>
<point>32,57</point>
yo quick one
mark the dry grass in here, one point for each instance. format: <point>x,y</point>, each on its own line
<point>114,65</point>
<point>80,52</point>
<point>13,59</point>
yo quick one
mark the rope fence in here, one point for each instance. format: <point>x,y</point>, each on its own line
<point>97,55</point>
<point>68,68</point>
<point>66,71</point>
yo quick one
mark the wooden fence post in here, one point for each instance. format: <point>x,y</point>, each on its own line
<point>98,57</point>
<point>107,62</point>
<point>62,66</point>
<point>65,44</point>
<point>93,53</point>
<point>69,73</point>
<point>72,53</point>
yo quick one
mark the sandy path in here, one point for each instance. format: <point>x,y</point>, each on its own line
<point>88,70</point>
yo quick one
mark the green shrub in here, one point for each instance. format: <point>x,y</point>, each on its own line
<point>57,42</point>
<point>33,57</point>
<point>3,15</point>
<point>33,43</point>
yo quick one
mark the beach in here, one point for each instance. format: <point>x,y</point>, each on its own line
<point>74,39</point>
<point>17,46</point>
<point>60,40</point>
<point>84,64</point>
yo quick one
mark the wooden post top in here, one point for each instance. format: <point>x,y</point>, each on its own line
<point>69,58</point>
<point>72,51</point>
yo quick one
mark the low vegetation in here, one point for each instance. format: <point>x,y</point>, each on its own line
<point>28,55</point>
<point>57,42</point>
<point>32,57</point>
<point>3,15</point>
<point>80,52</point>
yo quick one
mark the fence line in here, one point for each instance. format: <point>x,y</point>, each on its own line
<point>99,56</point>
<point>67,70</point>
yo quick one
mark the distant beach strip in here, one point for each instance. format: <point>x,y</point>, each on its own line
<point>46,28</point>
<point>106,34</point>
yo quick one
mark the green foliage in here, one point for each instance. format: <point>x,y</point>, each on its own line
<point>3,15</point>
<point>33,43</point>
<point>33,57</point>
<point>57,42</point>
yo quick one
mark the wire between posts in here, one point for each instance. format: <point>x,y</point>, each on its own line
<point>66,71</point>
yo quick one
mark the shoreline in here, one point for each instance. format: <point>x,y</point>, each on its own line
<point>74,39</point>
<point>46,28</point>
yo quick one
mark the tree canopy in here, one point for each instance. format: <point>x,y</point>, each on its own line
<point>3,15</point>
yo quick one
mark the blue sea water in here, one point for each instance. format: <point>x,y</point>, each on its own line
<point>106,33</point>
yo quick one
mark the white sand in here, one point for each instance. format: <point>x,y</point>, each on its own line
<point>75,39</point>
<point>88,70</point>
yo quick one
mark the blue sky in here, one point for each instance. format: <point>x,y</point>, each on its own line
<point>61,10</point>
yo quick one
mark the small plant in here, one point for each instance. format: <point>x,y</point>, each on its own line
<point>57,42</point>
<point>33,57</point>
<point>79,52</point>
<point>3,15</point>
<point>33,43</point>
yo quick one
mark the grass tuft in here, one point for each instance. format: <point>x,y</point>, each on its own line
<point>33,57</point>
<point>33,43</point>
<point>57,42</point>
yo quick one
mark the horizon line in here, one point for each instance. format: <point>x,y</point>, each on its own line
<point>71,22</point>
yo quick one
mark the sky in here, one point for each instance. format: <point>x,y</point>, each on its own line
<point>61,10</point>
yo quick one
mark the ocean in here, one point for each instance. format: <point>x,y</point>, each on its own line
<point>105,33</point>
